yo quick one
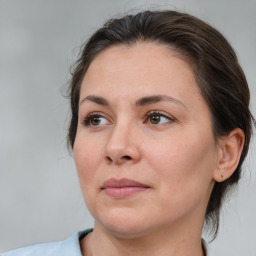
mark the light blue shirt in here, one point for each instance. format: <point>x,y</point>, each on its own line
<point>68,247</point>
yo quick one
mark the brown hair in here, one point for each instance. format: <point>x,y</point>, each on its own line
<point>219,76</point>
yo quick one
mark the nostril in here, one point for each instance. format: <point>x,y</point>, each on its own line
<point>126,157</point>
<point>118,160</point>
<point>108,159</point>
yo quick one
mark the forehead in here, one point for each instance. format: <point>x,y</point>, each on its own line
<point>145,60</point>
<point>139,55</point>
<point>143,68</point>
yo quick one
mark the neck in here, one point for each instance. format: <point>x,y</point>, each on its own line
<point>158,242</point>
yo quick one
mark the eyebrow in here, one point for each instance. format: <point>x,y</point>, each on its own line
<point>148,100</point>
<point>157,98</point>
<point>96,99</point>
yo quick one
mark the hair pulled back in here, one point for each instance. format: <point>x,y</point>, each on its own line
<point>219,76</point>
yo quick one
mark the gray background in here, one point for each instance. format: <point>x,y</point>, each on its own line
<point>40,199</point>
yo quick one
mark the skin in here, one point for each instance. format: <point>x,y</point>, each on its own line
<point>176,156</point>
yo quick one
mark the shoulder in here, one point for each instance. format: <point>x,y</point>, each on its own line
<point>68,247</point>
<point>36,250</point>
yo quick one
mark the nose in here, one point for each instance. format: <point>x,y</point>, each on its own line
<point>122,145</point>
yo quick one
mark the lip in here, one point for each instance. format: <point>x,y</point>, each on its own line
<point>120,188</point>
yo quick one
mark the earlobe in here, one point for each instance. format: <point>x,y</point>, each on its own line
<point>230,152</point>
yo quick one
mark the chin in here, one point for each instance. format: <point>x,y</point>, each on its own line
<point>123,224</point>
<point>126,232</point>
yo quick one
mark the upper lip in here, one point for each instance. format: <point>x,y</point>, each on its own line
<point>119,183</point>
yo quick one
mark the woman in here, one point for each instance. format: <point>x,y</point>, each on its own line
<point>160,128</point>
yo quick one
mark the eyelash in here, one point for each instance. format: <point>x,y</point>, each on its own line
<point>157,113</point>
<point>87,120</point>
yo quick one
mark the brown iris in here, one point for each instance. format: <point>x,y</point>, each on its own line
<point>155,119</point>
<point>95,120</point>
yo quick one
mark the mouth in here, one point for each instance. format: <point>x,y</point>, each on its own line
<point>120,188</point>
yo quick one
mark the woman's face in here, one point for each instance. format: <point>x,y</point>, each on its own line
<point>144,149</point>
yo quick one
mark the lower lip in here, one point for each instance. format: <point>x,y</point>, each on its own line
<point>123,191</point>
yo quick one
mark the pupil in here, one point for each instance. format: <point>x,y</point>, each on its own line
<point>95,121</point>
<point>155,119</point>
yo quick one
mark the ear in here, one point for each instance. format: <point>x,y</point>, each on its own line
<point>229,154</point>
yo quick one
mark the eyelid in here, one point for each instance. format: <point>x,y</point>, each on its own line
<point>86,120</point>
<point>160,113</point>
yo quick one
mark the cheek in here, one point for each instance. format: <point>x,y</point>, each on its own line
<point>183,166</point>
<point>86,156</point>
<point>183,179</point>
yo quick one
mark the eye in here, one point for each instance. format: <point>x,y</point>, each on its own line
<point>158,118</point>
<point>94,119</point>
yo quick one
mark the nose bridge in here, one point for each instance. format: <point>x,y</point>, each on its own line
<point>122,144</point>
<point>119,136</point>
